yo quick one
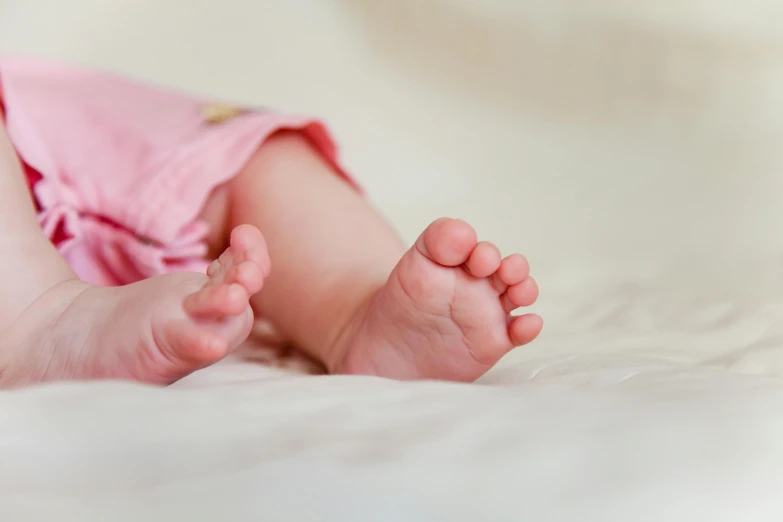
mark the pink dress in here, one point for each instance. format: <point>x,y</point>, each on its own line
<point>120,171</point>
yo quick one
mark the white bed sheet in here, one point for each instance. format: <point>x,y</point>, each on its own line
<point>595,424</point>
<point>631,150</point>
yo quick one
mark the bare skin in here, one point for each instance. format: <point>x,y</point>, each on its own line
<point>343,287</point>
<point>444,311</point>
<point>55,327</point>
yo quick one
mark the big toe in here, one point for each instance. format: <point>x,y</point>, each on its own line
<point>191,347</point>
<point>219,318</point>
<point>448,242</point>
<point>213,301</point>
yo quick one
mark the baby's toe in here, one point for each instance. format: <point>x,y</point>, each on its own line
<point>246,237</point>
<point>215,269</point>
<point>260,256</point>
<point>520,294</point>
<point>525,328</point>
<point>193,347</point>
<point>249,274</point>
<point>513,269</point>
<point>245,262</point>
<point>484,261</point>
<point>448,242</point>
<point>217,301</point>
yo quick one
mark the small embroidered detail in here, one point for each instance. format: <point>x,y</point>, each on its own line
<point>215,113</point>
<point>147,241</point>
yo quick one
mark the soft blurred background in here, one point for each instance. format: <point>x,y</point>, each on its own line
<point>614,142</point>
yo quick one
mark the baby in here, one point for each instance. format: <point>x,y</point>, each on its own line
<point>141,230</point>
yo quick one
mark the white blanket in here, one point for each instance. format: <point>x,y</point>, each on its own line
<point>592,425</point>
<point>630,150</point>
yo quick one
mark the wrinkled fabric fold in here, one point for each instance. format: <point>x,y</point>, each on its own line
<point>125,168</point>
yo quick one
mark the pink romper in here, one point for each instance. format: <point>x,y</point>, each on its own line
<point>120,171</point>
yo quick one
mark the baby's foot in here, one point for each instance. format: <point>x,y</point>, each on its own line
<point>444,312</point>
<point>155,331</point>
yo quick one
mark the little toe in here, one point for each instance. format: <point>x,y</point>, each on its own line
<point>219,270</point>
<point>520,294</point>
<point>245,262</point>
<point>223,263</point>
<point>248,274</point>
<point>448,242</point>
<point>514,269</point>
<point>214,268</point>
<point>484,261</point>
<point>525,328</point>
<point>217,301</point>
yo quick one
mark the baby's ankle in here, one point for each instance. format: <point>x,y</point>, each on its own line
<point>341,339</point>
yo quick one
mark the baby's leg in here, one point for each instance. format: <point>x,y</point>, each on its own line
<point>53,326</point>
<point>29,264</point>
<point>343,287</point>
